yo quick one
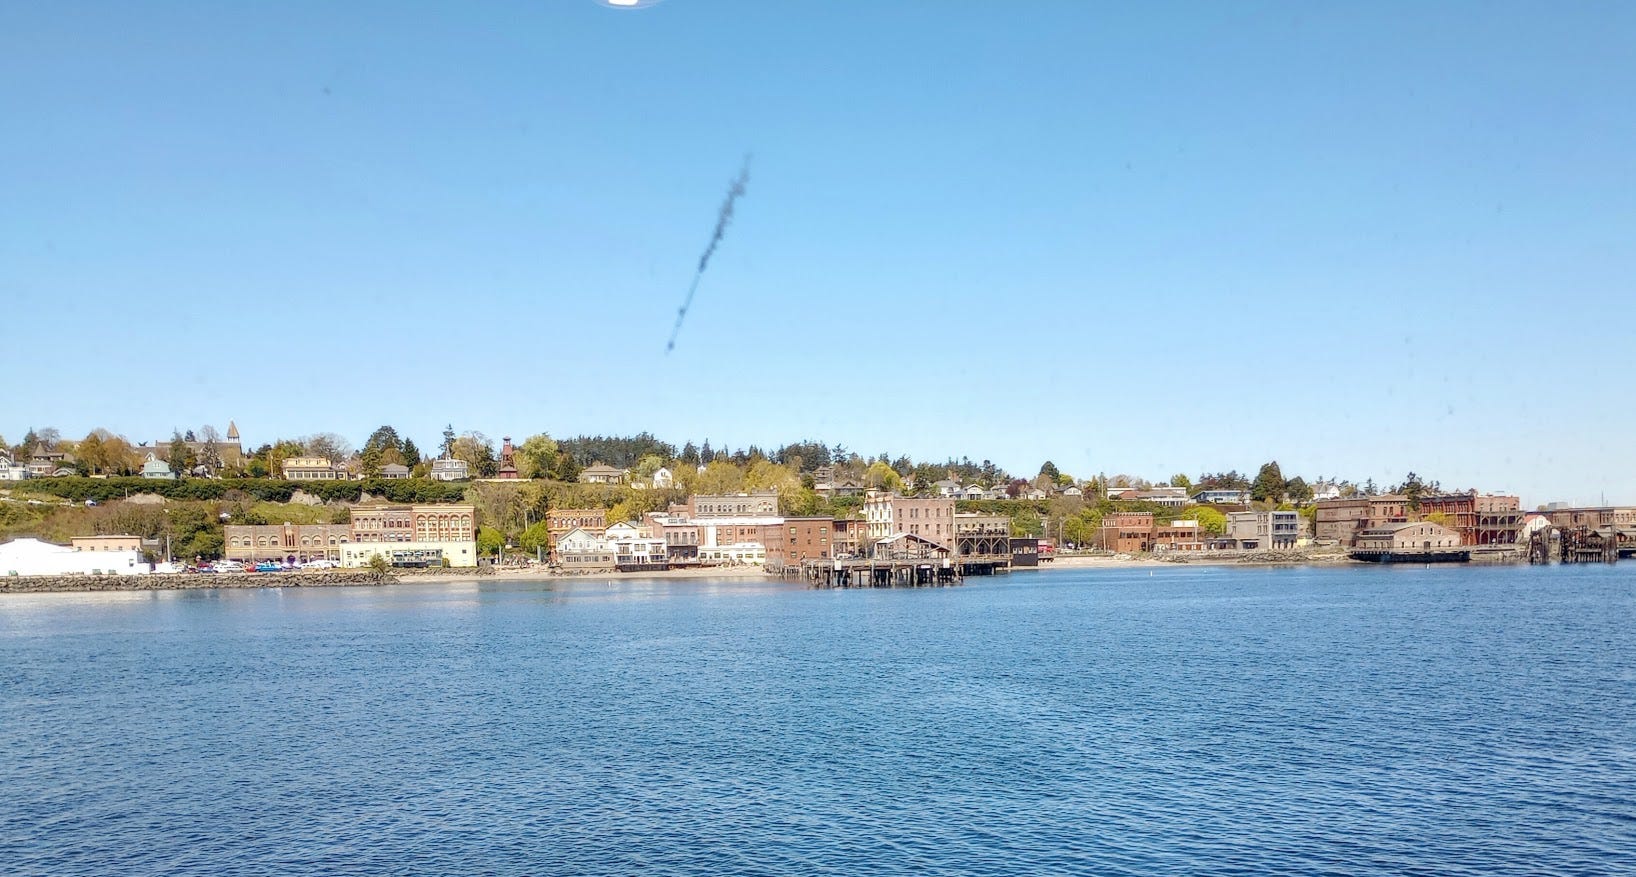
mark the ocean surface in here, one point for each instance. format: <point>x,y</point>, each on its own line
<point>1188,721</point>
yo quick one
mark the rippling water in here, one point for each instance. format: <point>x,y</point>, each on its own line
<point>1390,721</point>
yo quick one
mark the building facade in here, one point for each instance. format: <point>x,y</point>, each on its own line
<point>561,522</point>
<point>928,517</point>
<point>760,502</point>
<point>798,539</point>
<point>450,469</point>
<point>312,469</point>
<point>1126,532</point>
<point>1408,536</point>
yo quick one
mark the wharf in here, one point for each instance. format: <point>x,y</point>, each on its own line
<point>894,572</point>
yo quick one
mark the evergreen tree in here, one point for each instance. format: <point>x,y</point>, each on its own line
<point>1269,484</point>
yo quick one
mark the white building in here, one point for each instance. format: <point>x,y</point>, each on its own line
<point>450,469</point>
<point>663,479</point>
<point>10,471</point>
<point>31,557</point>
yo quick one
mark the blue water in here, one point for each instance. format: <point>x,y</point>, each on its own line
<point>1351,721</point>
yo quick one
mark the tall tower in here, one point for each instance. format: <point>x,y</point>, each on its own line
<point>508,459</point>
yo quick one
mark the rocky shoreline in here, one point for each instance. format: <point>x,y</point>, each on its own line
<point>192,581</point>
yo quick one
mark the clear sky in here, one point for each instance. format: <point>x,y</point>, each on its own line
<point>1146,238</point>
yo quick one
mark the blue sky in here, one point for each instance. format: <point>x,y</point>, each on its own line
<point>1163,237</point>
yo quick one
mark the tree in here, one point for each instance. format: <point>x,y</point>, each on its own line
<point>411,454</point>
<point>538,457</point>
<point>1210,520</point>
<point>448,441</point>
<point>690,454</point>
<point>180,458</point>
<point>881,477</point>
<point>1412,489</point>
<point>1298,490</point>
<point>1269,484</point>
<point>1181,480</point>
<point>489,541</point>
<point>478,452</point>
<point>380,567</point>
<point>327,445</point>
<point>718,477</point>
<point>1049,471</point>
<point>536,539</point>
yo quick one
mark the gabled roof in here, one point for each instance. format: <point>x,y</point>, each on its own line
<point>910,537</point>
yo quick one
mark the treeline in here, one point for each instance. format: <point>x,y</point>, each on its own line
<point>406,490</point>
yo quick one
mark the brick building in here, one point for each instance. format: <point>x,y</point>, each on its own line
<point>927,517</point>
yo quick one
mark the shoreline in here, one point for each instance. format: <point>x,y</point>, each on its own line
<point>367,578</point>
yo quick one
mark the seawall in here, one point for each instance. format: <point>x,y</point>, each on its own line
<point>191,581</point>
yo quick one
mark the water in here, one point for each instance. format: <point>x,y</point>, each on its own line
<point>1354,721</point>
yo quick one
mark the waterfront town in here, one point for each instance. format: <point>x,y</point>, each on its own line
<point>206,501</point>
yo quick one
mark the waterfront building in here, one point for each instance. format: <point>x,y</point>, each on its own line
<point>621,530</point>
<point>681,536</point>
<point>889,514</point>
<point>980,535</point>
<point>285,542</point>
<point>1407,536</point>
<point>1182,535</point>
<point>1275,529</point>
<point>798,539</point>
<point>32,557</point>
<point>1126,532</point>
<point>582,551</point>
<point>121,542</point>
<point>1339,520</point>
<point>760,502</point>
<point>561,522</point>
<point>450,469</point>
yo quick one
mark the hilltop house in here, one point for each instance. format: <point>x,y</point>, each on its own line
<point>600,473</point>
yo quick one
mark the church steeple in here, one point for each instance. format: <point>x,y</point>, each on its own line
<point>232,431</point>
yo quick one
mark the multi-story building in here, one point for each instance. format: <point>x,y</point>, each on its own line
<point>229,450</point>
<point>561,522</point>
<point>682,536</point>
<point>1178,536</point>
<point>450,469</point>
<point>760,502</point>
<point>1339,520</point>
<point>928,517</point>
<point>285,542</point>
<point>851,537</point>
<point>407,535</point>
<point>1597,517</point>
<point>798,539</point>
<point>1275,529</point>
<point>10,471</point>
<point>1500,520</point>
<point>1126,532</point>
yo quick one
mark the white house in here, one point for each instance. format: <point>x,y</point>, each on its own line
<point>10,471</point>
<point>663,479</point>
<point>31,557</point>
<point>621,530</point>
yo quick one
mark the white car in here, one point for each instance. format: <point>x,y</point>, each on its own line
<point>320,564</point>
<point>226,566</point>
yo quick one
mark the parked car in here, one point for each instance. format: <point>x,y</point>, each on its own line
<point>320,563</point>
<point>226,566</point>
<point>269,566</point>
